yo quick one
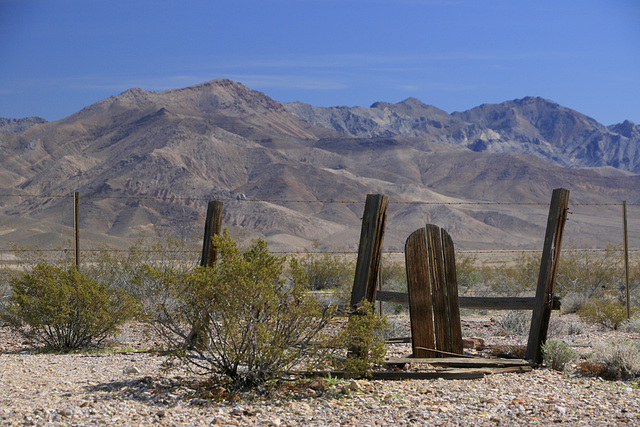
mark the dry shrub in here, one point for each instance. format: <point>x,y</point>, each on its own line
<point>613,361</point>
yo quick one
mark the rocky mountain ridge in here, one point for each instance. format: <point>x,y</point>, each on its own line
<point>148,162</point>
<point>532,126</point>
<point>19,125</point>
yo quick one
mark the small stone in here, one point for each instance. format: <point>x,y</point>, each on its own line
<point>131,370</point>
<point>316,385</point>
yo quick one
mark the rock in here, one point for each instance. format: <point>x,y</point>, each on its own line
<point>130,370</point>
<point>474,343</point>
<point>316,385</point>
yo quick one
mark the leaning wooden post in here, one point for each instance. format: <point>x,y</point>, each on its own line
<point>547,275</point>
<point>370,249</point>
<point>212,227</point>
<point>76,227</point>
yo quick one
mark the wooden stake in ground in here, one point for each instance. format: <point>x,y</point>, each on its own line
<point>547,276</point>
<point>76,227</point>
<point>365,282</point>
<point>212,227</point>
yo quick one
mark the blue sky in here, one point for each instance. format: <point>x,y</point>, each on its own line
<point>58,56</point>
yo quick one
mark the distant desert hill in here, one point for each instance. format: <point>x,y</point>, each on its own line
<point>294,174</point>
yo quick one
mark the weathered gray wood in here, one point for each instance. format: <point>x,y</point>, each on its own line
<point>458,374</point>
<point>459,362</point>
<point>547,275</point>
<point>212,227</point>
<point>419,296</point>
<point>451,284</point>
<point>438,288</point>
<point>449,374</point>
<point>365,282</point>
<point>478,303</point>
<point>503,303</point>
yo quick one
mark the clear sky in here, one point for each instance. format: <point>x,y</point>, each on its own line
<point>58,56</point>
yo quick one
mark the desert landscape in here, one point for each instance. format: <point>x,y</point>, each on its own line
<point>126,386</point>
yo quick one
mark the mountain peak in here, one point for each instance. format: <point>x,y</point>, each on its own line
<point>626,128</point>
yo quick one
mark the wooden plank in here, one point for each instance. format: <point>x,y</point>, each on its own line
<point>212,227</point>
<point>503,303</point>
<point>412,375</point>
<point>459,362</point>
<point>547,275</point>
<point>479,303</point>
<point>451,283</point>
<point>438,289</point>
<point>365,282</point>
<point>419,296</point>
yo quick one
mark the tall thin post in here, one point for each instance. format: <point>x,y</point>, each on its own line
<point>626,256</point>
<point>76,226</point>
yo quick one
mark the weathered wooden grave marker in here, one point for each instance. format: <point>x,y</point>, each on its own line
<point>433,293</point>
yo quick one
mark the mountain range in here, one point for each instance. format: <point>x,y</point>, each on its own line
<point>295,174</point>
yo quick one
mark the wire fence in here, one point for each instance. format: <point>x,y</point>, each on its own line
<point>582,215</point>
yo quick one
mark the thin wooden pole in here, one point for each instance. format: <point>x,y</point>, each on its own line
<point>76,226</point>
<point>626,256</point>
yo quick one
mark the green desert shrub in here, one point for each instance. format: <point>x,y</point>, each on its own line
<point>242,321</point>
<point>604,312</point>
<point>327,271</point>
<point>363,341</point>
<point>63,308</point>
<point>557,354</point>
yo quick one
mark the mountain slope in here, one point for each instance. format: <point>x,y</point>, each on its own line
<point>146,162</point>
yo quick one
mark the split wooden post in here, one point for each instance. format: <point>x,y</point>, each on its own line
<point>365,282</point>
<point>433,293</point>
<point>212,227</point>
<point>547,275</point>
<point>419,293</point>
<point>451,283</point>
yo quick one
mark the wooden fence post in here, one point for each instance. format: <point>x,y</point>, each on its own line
<point>547,275</point>
<point>625,232</point>
<point>212,227</point>
<point>76,227</point>
<point>365,282</point>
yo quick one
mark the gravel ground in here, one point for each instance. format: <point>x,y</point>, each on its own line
<point>130,389</point>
